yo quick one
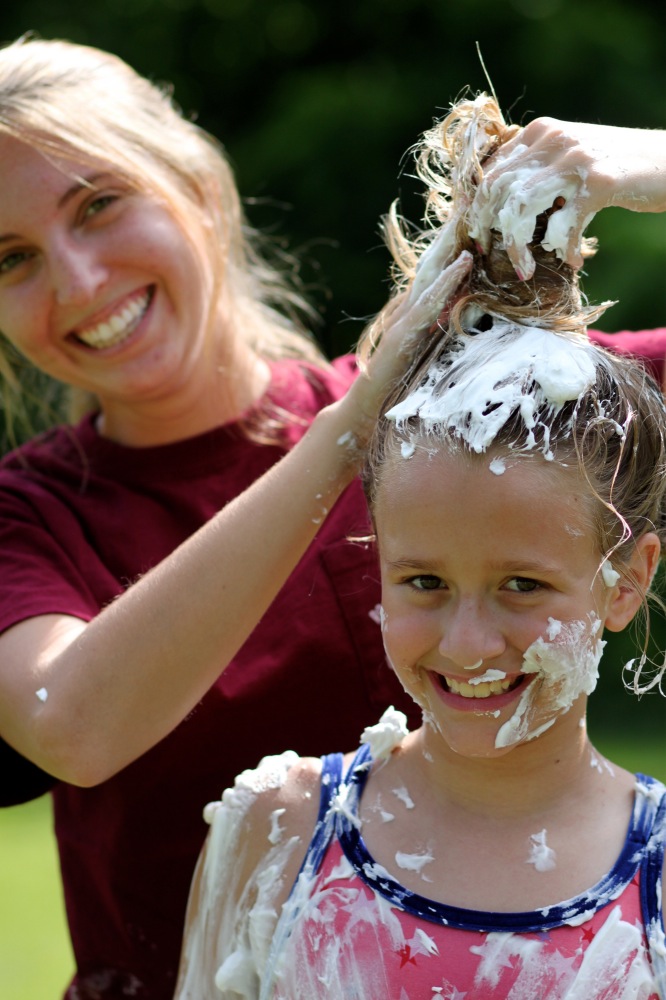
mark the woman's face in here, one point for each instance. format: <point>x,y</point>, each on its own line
<point>98,286</point>
<point>492,601</point>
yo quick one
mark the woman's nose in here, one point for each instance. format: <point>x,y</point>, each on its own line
<point>77,274</point>
<point>470,633</point>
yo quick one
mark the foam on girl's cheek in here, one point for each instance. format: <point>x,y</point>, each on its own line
<point>566,661</point>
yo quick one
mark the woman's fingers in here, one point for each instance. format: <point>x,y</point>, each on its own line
<point>423,304</point>
<point>401,328</point>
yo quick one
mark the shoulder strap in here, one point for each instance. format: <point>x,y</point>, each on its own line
<point>652,867</point>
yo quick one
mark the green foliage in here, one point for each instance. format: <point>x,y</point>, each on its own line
<point>317,101</point>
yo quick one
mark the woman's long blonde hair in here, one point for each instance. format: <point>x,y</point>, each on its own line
<point>74,102</point>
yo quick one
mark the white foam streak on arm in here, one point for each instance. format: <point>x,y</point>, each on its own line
<point>404,796</point>
<point>231,911</point>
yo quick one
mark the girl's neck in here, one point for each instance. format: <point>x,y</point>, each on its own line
<point>477,820</point>
<point>534,778</point>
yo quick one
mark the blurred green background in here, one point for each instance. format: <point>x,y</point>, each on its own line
<point>316,102</point>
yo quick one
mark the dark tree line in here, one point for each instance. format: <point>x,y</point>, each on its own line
<point>317,101</point>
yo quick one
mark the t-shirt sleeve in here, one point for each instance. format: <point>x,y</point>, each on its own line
<point>44,567</point>
<point>647,345</point>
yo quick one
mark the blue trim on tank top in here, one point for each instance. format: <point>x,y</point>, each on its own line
<point>646,810</point>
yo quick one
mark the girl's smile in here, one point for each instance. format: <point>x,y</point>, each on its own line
<point>470,694</point>
<point>492,598</point>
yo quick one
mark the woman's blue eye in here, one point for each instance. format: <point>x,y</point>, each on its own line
<point>99,204</point>
<point>12,260</point>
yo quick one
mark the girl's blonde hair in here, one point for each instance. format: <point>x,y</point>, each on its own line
<point>614,433</point>
<point>78,103</point>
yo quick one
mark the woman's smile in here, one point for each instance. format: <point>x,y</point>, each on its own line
<point>119,325</point>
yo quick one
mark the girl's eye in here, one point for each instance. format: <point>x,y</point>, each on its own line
<point>425,582</point>
<point>522,585</point>
<point>13,259</point>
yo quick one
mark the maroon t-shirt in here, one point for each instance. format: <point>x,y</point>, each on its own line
<point>81,518</point>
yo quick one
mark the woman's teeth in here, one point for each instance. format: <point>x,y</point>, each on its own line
<point>117,327</point>
<point>483,689</point>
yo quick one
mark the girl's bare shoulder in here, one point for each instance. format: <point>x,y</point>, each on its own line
<point>279,802</point>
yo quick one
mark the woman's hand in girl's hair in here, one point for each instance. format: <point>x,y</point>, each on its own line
<point>574,168</point>
<point>392,341</point>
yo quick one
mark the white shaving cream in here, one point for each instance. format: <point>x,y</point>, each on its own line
<point>541,855</point>
<point>494,374</point>
<point>489,676</point>
<point>566,661</point>
<point>513,202</point>
<point>609,575</point>
<point>387,734</point>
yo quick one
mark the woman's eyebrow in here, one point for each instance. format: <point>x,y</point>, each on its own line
<point>81,182</point>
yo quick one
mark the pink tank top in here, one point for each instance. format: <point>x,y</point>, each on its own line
<point>351,932</point>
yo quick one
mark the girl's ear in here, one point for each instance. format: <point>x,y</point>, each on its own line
<point>629,591</point>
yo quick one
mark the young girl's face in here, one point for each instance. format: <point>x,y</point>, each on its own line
<point>493,603</point>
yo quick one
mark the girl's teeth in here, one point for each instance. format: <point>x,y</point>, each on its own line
<point>483,690</point>
<point>117,327</point>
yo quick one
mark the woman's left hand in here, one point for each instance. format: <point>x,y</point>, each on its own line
<point>577,169</point>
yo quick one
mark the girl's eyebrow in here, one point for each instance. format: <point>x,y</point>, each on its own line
<point>525,566</point>
<point>418,564</point>
<point>515,566</point>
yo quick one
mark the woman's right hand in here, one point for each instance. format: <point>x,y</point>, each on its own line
<point>400,329</point>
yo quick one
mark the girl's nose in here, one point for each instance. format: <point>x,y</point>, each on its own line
<point>76,273</point>
<point>470,633</point>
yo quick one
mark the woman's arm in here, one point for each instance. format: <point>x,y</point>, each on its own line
<point>110,689</point>
<point>581,168</point>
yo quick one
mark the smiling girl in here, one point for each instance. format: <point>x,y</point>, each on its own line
<point>516,483</point>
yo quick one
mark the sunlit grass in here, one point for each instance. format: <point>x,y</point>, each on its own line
<point>35,955</point>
